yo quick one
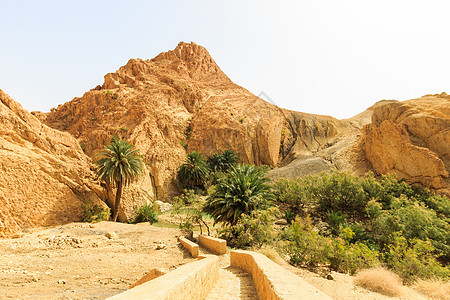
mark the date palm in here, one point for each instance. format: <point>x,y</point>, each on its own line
<point>241,191</point>
<point>119,164</point>
<point>222,162</point>
<point>194,171</point>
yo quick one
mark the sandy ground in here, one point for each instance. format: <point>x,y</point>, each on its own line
<point>77,260</point>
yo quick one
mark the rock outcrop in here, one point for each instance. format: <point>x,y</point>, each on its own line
<point>412,140</point>
<point>44,175</point>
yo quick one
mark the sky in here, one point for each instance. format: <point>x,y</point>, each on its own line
<point>329,57</point>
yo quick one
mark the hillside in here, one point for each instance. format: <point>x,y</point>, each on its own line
<point>44,174</point>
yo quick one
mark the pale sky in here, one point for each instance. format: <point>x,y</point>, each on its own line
<point>325,57</point>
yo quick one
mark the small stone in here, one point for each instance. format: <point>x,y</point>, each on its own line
<point>281,222</point>
<point>160,246</point>
<point>329,277</point>
<point>111,235</point>
<point>61,281</point>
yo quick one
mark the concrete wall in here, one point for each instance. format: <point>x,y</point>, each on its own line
<point>190,246</point>
<point>190,281</point>
<point>215,245</point>
<point>271,280</point>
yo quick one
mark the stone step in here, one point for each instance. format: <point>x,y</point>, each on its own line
<point>233,283</point>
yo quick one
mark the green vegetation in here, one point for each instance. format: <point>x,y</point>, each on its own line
<point>111,94</point>
<point>194,171</point>
<point>146,213</point>
<point>354,223</point>
<point>241,191</point>
<point>222,162</point>
<point>334,220</point>
<point>251,230</point>
<point>119,164</point>
<point>83,147</point>
<point>94,213</point>
<point>183,144</point>
<point>188,209</point>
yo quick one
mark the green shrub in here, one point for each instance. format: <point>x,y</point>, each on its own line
<point>188,209</point>
<point>252,230</point>
<point>146,213</point>
<point>361,215</point>
<point>94,213</point>
<point>414,220</point>
<point>350,258</point>
<point>306,247</point>
<point>414,258</point>
<point>291,196</point>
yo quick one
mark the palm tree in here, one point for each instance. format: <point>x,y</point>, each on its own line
<point>194,171</point>
<point>221,162</point>
<point>230,158</point>
<point>119,164</point>
<point>242,191</point>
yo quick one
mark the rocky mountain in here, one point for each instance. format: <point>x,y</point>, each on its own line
<point>181,101</point>
<point>44,174</point>
<point>412,140</point>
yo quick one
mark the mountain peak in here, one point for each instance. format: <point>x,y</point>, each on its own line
<point>187,60</point>
<point>195,58</point>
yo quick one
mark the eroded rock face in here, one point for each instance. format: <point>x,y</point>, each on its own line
<point>44,175</point>
<point>412,140</point>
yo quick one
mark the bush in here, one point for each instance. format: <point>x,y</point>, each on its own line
<point>146,213</point>
<point>362,214</point>
<point>188,209</point>
<point>415,221</point>
<point>414,258</point>
<point>306,247</point>
<point>252,230</point>
<point>381,281</point>
<point>338,192</point>
<point>350,258</point>
<point>94,213</point>
<point>291,197</point>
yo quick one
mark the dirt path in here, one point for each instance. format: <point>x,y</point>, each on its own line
<point>77,260</point>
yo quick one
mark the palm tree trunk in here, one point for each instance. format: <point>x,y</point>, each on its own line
<point>117,203</point>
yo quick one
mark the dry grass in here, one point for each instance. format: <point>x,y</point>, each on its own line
<point>435,289</point>
<point>272,254</point>
<point>381,281</point>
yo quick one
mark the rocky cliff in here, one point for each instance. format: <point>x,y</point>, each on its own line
<point>412,140</point>
<point>44,175</point>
